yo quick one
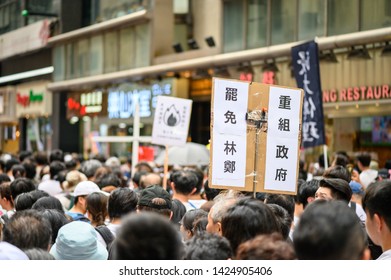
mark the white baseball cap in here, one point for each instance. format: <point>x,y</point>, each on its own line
<point>86,188</point>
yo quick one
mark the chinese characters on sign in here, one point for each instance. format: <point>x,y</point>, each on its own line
<point>305,58</point>
<point>229,133</point>
<point>171,122</point>
<point>282,139</point>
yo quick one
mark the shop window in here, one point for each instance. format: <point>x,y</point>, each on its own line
<point>70,60</point>
<point>311,19</point>
<point>9,15</point>
<point>59,63</point>
<point>110,52</point>
<point>96,55</point>
<point>82,58</point>
<point>375,14</point>
<point>233,34</point>
<point>257,23</point>
<point>126,48</point>
<point>342,16</point>
<point>283,20</point>
<point>143,48</point>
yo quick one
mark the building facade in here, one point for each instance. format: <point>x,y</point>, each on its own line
<point>128,52</point>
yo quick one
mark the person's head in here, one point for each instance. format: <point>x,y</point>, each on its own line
<point>56,219</point>
<point>156,199</point>
<point>210,193</point>
<point>78,241</point>
<point>26,200</point>
<point>28,229</point>
<point>339,172</point>
<point>266,247</point>
<point>376,203</point>
<point>189,220</point>
<point>334,189</point>
<point>122,201</point>
<point>97,208</point>
<point>31,168</point>
<point>48,202</point>
<point>329,230</point>
<point>147,236</point>
<point>341,160</point>
<point>6,201</point>
<point>24,154</point>
<point>56,155</point>
<point>284,220</point>
<point>143,166</point>
<point>55,168</point>
<point>41,158</point>
<point>18,171</point>
<point>21,185</point>
<point>82,190</point>
<point>89,167</point>
<point>200,177</point>
<point>208,246</point>
<point>4,178</point>
<point>137,177</point>
<point>38,254</point>
<point>184,182</point>
<point>73,178</point>
<point>150,179</point>
<point>109,181</point>
<point>363,160</point>
<point>284,200</point>
<point>307,192</point>
<point>9,163</point>
<point>221,204</point>
<point>246,219</point>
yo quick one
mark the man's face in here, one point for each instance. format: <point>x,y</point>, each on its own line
<point>212,227</point>
<point>323,193</point>
<point>370,226</point>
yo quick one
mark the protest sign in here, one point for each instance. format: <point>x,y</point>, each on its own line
<point>255,136</point>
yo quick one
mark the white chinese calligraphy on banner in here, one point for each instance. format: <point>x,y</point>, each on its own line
<point>229,133</point>
<point>282,139</point>
<point>171,122</point>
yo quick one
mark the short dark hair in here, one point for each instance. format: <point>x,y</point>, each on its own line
<point>185,181</point>
<point>283,219</point>
<point>191,217</point>
<point>377,199</point>
<point>147,236</point>
<point>208,246</point>
<point>28,229</point>
<point>56,154</point>
<point>26,200</point>
<point>286,201</point>
<point>21,185</point>
<point>340,189</point>
<point>306,190</point>
<point>48,202</point>
<point>246,219</point>
<point>122,201</point>
<point>329,230</point>
<point>55,168</point>
<point>56,219</point>
<point>364,158</point>
<point>338,172</point>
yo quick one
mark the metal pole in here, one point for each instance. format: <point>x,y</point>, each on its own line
<point>136,136</point>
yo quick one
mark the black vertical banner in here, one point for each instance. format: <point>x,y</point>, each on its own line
<point>306,67</point>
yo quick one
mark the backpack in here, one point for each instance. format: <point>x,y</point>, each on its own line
<point>106,234</point>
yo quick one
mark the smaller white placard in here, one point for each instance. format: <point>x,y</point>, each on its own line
<point>171,121</point>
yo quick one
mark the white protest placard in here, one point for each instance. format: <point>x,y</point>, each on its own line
<point>282,139</point>
<point>171,121</point>
<point>229,132</point>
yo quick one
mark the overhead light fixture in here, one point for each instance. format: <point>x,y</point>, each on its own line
<point>358,53</point>
<point>177,47</point>
<point>270,66</point>
<point>210,41</point>
<point>328,56</point>
<point>192,43</point>
<point>386,51</point>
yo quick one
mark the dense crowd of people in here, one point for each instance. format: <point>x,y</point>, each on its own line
<point>57,206</point>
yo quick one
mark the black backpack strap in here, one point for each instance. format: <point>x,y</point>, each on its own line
<point>353,206</point>
<point>106,234</point>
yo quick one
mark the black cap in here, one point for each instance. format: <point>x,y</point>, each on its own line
<point>148,194</point>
